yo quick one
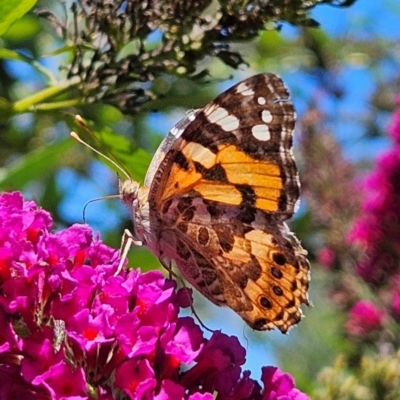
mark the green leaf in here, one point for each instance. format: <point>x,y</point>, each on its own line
<point>11,11</point>
<point>134,160</point>
<point>33,165</point>
<point>12,55</point>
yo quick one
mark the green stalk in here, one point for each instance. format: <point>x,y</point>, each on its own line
<point>30,103</point>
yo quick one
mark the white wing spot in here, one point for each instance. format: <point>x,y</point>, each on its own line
<point>176,132</point>
<point>261,132</point>
<point>296,205</point>
<point>261,101</point>
<point>221,117</point>
<point>266,116</point>
<point>244,89</point>
<point>271,88</point>
<point>192,116</point>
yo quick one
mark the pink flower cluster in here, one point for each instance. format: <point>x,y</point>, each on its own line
<point>364,318</point>
<point>377,233</point>
<point>70,329</point>
<point>377,230</point>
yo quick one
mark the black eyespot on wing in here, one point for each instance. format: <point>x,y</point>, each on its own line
<point>279,258</point>
<point>276,273</point>
<point>265,303</point>
<point>277,290</point>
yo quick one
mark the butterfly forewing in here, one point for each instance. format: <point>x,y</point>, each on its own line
<point>238,144</point>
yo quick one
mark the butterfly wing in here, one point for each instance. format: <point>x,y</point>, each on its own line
<point>219,199</point>
<point>259,270</point>
<point>237,151</point>
<point>166,144</point>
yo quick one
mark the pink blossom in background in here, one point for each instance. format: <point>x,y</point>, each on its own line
<point>326,257</point>
<point>70,329</point>
<point>364,318</point>
<point>377,229</point>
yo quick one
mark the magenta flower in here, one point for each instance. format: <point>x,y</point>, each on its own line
<point>364,318</point>
<point>279,386</point>
<point>377,230</point>
<point>70,329</point>
<point>326,257</point>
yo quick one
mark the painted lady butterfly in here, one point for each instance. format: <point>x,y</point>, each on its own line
<point>215,201</point>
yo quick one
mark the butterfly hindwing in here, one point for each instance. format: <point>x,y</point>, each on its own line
<point>256,268</point>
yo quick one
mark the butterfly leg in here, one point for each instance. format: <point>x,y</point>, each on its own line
<point>168,267</point>
<point>202,324</point>
<point>172,274</point>
<point>126,243</point>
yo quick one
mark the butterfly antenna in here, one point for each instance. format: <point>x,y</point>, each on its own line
<point>111,196</point>
<point>75,136</point>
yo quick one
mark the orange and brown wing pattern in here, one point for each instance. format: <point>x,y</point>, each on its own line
<point>258,269</point>
<point>220,192</point>
<point>237,151</point>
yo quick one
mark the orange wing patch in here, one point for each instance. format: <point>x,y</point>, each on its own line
<point>219,191</point>
<point>216,176</point>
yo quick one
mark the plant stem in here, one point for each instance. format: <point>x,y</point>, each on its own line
<point>33,101</point>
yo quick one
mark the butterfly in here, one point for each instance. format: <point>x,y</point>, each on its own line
<point>215,200</point>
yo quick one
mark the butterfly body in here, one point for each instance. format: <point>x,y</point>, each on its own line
<point>215,201</point>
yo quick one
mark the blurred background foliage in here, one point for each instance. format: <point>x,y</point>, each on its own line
<point>132,68</point>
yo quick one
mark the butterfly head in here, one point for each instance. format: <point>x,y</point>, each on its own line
<point>129,191</point>
<point>135,198</point>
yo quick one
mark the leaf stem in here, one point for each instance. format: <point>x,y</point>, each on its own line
<point>33,102</point>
